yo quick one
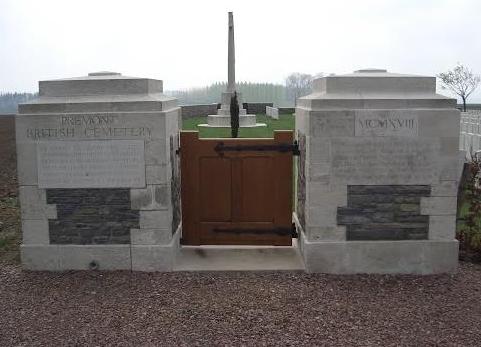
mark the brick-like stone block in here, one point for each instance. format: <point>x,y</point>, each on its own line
<point>152,258</point>
<point>108,257</point>
<point>442,227</point>
<point>327,233</point>
<point>33,202</point>
<point>154,197</point>
<point>445,188</point>
<point>156,152</point>
<point>156,174</point>
<point>40,257</point>
<point>35,231</point>
<point>438,206</point>
<point>27,163</point>
<point>150,236</point>
<point>155,219</point>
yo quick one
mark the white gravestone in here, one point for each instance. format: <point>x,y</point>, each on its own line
<point>272,112</point>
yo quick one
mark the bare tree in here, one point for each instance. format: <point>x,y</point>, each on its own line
<point>461,81</point>
<point>298,84</point>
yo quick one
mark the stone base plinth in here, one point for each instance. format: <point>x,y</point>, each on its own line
<point>107,257</point>
<point>223,121</point>
<point>226,112</point>
<point>422,257</point>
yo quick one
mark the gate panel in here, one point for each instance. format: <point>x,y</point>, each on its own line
<point>236,195</point>
<point>215,189</point>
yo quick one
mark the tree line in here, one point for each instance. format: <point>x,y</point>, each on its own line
<point>460,80</point>
<point>280,95</point>
<point>10,101</point>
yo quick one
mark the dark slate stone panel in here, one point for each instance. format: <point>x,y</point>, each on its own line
<point>388,212</point>
<point>91,216</point>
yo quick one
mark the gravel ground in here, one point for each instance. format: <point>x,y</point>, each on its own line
<point>263,308</point>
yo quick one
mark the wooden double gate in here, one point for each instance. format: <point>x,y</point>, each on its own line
<point>237,191</point>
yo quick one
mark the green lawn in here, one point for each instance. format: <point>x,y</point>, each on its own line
<point>285,122</point>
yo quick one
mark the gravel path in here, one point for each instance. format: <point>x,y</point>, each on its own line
<point>263,308</point>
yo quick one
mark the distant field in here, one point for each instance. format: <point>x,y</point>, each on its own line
<point>285,122</point>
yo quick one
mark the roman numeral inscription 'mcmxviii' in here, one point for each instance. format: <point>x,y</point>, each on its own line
<point>386,123</point>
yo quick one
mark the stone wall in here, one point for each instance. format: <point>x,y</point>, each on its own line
<point>286,110</point>
<point>256,107</point>
<point>189,111</point>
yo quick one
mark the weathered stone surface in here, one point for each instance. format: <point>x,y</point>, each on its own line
<point>442,227</point>
<point>156,174</point>
<point>33,203</point>
<point>385,257</point>
<point>107,257</point>
<point>439,206</point>
<point>384,161</point>
<point>35,232</point>
<point>150,236</point>
<point>331,124</point>
<point>91,164</point>
<point>154,197</point>
<point>40,257</point>
<point>155,219</point>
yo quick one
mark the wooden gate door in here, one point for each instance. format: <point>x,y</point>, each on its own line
<point>236,191</point>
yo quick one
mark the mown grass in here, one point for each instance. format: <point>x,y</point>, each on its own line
<point>285,122</point>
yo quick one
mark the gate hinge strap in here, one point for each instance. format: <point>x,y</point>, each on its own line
<point>282,147</point>
<point>277,231</point>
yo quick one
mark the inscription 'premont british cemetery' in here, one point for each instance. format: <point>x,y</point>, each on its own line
<point>89,126</point>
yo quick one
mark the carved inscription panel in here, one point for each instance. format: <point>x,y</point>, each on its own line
<point>384,160</point>
<point>386,123</point>
<point>91,164</point>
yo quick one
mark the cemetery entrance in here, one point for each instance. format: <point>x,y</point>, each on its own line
<point>237,191</point>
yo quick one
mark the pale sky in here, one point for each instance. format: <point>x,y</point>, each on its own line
<point>184,42</point>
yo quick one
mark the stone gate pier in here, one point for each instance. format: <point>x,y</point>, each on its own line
<point>378,175</point>
<point>98,174</point>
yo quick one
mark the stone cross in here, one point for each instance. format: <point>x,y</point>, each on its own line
<point>231,56</point>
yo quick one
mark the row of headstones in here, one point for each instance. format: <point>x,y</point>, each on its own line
<point>470,132</point>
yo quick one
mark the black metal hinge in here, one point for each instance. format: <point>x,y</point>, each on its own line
<point>276,231</point>
<point>282,147</point>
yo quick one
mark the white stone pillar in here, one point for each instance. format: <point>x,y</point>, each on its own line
<point>378,175</point>
<point>98,174</point>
